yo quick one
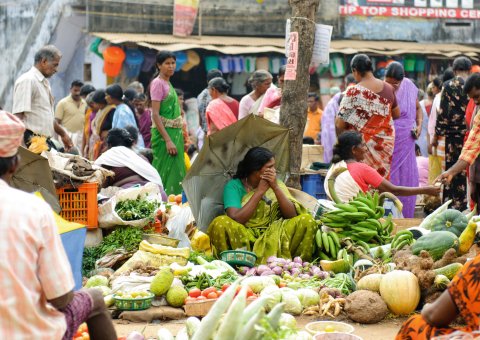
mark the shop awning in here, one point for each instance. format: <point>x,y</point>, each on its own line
<point>246,45</point>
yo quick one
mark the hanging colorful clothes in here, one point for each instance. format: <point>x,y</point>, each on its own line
<point>404,170</point>
<point>267,233</point>
<point>370,114</point>
<point>171,168</point>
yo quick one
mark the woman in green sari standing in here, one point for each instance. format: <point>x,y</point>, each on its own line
<point>167,136</point>
<point>261,215</point>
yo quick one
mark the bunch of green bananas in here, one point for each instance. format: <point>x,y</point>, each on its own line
<point>328,244</point>
<point>402,239</point>
<point>343,254</point>
<point>359,219</point>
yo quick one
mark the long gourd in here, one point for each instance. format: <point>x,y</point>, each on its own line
<point>449,270</point>
<point>209,323</point>
<point>230,327</point>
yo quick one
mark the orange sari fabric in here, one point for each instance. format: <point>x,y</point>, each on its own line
<point>218,114</point>
<point>370,114</point>
<point>465,292</point>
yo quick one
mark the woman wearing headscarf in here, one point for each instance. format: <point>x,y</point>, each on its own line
<point>404,170</point>
<point>129,167</point>
<point>101,124</point>
<point>221,110</point>
<point>167,135</point>
<point>260,81</point>
<point>369,107</point>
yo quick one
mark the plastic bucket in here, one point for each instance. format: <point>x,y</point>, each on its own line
<point>313,185</point>
<point>133,62</point>
<point>113,57</point>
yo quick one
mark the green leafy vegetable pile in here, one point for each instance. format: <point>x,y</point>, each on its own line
<point>124,237</point>
<point>137,209</point>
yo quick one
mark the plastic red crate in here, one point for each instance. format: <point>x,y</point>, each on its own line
<point>79,204</point>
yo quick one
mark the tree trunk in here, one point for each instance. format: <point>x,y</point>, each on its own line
<point>293,112</point>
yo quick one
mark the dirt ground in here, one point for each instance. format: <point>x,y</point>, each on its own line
<point>384,330</point>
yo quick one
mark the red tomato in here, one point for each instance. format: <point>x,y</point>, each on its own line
<point>194,293</point>
<point>201,297</point>
<point>212,295</point>
<point>225,287</point>
<point>208,291</point>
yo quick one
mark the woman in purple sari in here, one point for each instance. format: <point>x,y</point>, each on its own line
<point>144,117</point>
<point>404,170</point>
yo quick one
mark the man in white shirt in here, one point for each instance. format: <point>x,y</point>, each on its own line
<point>38,301</point>
<point>33,100</point>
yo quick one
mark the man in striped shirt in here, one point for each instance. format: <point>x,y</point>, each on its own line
<point>36,294</point>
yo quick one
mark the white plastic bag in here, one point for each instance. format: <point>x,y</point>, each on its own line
<point>108,217</point>
<point>176,226</point>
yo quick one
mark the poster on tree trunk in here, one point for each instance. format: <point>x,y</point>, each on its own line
<point>184,16</point>
<point>292,57</point>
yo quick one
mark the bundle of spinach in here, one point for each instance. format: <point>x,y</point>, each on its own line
<point>123,237</point>
<point>137,209</point>
<point>90,256</point>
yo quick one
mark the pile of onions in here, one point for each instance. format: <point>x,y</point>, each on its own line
<point>283,267</point>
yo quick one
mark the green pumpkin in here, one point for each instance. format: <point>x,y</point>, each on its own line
<point>450,220</point>
<point>436,243</point>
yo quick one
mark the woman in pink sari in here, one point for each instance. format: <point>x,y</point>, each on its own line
<point>404,170</point>
<point>368,107</point>
<point>222,110</point>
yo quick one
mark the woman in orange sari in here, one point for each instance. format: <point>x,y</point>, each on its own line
<point>369,108</point>
<point>461,298</point>
<point>222,110</point>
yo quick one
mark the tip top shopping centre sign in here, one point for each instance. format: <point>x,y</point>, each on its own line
<point>438,9</point>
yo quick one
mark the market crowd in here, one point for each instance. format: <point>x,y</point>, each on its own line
<point>383,131</point>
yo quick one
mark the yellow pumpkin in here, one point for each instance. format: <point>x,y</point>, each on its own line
<point>400,291</point>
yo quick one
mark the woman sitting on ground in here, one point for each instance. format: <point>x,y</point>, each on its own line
<point>349,153</point>
<point>261,215</point>
<point>460,299</point>
<point>222,111</point>
<point>129,167</point>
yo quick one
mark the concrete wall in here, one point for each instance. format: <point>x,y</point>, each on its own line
<point>25,26</point>
<point>421,30</point>
<point>226,17</point>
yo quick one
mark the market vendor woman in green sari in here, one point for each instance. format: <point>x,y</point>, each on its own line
<point>261,215</point>
<point>167,136</point>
